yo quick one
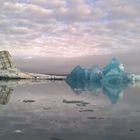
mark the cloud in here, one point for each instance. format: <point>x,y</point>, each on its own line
<point>69,28</point>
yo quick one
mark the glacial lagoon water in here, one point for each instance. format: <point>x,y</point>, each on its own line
<point>51,110</point>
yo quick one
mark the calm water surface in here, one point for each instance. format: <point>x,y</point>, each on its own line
<point>53,111</point>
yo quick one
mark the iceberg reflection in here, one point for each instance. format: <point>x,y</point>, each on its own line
<point>8,86</point>
<point>111,90</point>
<point>6,89</point>
<point>5,93</point>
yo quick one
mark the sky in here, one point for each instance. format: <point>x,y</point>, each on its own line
<point>67,29</point>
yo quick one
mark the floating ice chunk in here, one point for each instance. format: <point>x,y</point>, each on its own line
<point>17,131</point>
<point>116,77</point>
<point>134,77</point>
<point>113,72</point>
<point>77,74</point>
<point>77,78</point>
<point>114,64</point>
<point>95,74</point>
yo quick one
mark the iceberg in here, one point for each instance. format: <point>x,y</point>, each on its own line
<point>111,79</point>
<point>114,64</point>
<point>113,72</point>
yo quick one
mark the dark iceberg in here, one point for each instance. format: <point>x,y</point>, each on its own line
<point>111,79</point>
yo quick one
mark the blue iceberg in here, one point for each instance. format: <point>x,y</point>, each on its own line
<point>113,72</point>
<point>111,79</point>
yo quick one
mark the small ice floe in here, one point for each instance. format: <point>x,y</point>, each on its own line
<point>17,131</point>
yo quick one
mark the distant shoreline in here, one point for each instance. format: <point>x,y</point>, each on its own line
<point>55,74</point>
